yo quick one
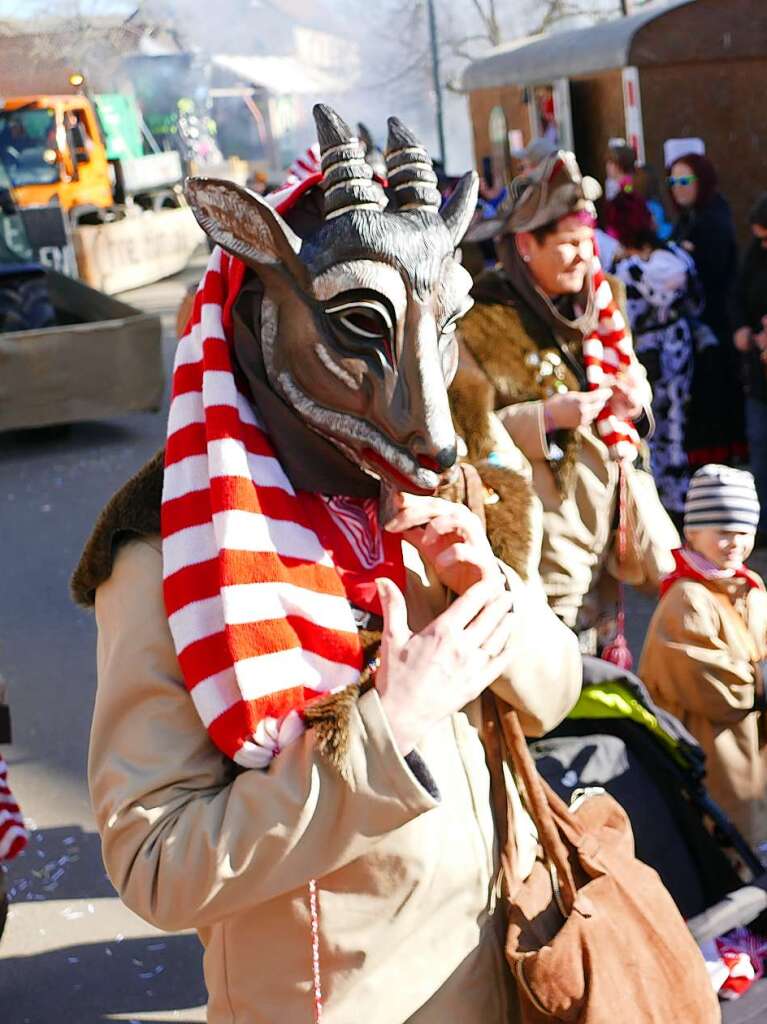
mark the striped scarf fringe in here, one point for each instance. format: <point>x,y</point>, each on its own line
<point>258,612</point>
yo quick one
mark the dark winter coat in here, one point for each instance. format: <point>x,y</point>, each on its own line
<point>715,428</point>
<point>749,306</point>
<point>710,231</point>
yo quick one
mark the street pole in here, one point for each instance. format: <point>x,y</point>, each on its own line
<point>435,77</point>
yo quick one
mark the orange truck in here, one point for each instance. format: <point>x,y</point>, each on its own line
<point>123,207</point>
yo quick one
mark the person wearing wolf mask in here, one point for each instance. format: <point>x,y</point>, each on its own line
<point>285,752</point>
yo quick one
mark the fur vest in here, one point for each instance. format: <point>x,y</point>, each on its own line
<point>518,355</point>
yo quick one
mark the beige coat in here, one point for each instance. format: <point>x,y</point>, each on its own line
<point>578,493</point>
<point>408,924</point>
<point>696,664</point>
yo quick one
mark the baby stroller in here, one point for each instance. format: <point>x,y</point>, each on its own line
<point>618,739</point>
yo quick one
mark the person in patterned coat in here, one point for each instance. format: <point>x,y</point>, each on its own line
<point>663,298</point>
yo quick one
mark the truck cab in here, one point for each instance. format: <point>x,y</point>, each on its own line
<point>53,150</point>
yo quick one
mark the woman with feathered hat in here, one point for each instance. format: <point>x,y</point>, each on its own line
<point>548,332</point>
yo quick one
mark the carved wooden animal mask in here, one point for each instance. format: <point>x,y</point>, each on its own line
<point>358,320</point>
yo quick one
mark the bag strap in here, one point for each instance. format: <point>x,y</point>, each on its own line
<point>539,800</point>
<point>494,755</point>
<point>618,652</point>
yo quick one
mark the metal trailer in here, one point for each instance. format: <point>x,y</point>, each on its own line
<point>103,359</point>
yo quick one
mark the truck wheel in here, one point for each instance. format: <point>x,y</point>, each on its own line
<point>25,304</point>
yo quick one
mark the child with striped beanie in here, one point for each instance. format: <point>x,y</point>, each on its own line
<point>703,658</point>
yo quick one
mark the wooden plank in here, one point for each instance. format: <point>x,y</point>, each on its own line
<point>136,250</point>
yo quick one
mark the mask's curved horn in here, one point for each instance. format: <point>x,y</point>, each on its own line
<point>365,137</point>
<point>348,178</point>
<point>410,170</point>
<point>459,209</point>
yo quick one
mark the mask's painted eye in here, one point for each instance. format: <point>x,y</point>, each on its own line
<point>364,320</point>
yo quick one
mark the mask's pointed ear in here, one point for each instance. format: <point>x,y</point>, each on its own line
<point>243,224</point>
<point>459,209</point>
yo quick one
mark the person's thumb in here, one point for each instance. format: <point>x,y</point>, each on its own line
<point>393,609</point>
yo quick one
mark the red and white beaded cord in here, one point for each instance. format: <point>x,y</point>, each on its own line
<point>316,977</point>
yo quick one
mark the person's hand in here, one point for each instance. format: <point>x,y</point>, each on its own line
<point>450,538</point>
<point>424,677</point>
<point>688,246</point>
<point>742,339</point>
<point>627,400</point>
<point>574,408</point>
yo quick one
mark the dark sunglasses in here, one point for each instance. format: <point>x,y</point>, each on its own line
<point>683,179</point>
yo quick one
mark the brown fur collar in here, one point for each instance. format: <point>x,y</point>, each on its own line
<point>134,511</point>
<point>509,497</point>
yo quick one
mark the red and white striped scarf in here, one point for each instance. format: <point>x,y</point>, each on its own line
<point>690,565</point>
<point>258,578</point>
<point>13,834</point>
<point>607,354</point>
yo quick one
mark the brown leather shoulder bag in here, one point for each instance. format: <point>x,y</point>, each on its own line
<point>593,936</point>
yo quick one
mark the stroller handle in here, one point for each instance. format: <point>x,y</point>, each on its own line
<point>736,910</point>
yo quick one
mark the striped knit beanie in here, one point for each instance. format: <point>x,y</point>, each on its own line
<point>723,498</point>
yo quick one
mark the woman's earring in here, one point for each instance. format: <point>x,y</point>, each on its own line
<point>526,259</point>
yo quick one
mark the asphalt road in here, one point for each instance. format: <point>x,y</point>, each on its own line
<point>72,954</point>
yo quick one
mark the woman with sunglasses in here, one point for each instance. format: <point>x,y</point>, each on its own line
<point>704,227</point>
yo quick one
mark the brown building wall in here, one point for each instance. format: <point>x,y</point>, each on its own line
<point>722,102</point>
<point>706,30</point>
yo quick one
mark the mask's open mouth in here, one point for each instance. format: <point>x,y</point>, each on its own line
<point>400,479</point>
